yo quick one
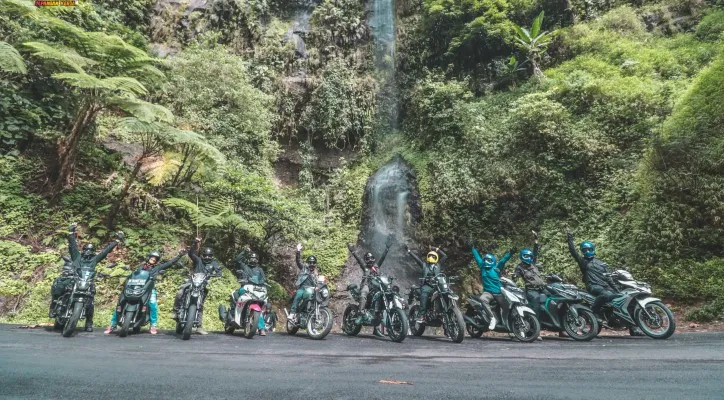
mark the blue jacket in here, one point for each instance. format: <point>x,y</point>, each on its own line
<point>491,276</point>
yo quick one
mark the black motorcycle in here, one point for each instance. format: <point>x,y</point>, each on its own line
<point>385,304</point>
<point>563,310</point>
<point>192,302</point>
<point>313,312</point>
<point>442,308</point>
<point>512,317</point>
<point>635,307</point>
<point>134,312</point>
<point>71,305</point>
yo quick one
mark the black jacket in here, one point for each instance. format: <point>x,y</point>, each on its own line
<point>530,273</point>
<point>77,259</point>
<point>254,275</point>
<point>594,271</point>
<point>429,269</point>
<point>365,269</point>
<point>211,268</point>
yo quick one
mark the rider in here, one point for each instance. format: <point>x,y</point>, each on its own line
<point>430,268</point>
<point>529,271</point>
<point>369,265</point>
<point>206,264</point>
<point>306,279</point>
<point>250,271</point>
<point>490,272</point>
<point>151,265</point>
<point>87,259</point>
<point>595,273</point>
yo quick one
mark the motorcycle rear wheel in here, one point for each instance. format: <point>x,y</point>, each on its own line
<point>70,325</point>
<point>578,332</point>
<point>397,325</point>
<point>126,324</point>
<point>662,314</point>
<point>415,328</point>
<point>179,327</point>
<point>348,325</point>
<point>190,317</point>
<point>250,328</point>
<point>532,331</point>
<point>325,323</point>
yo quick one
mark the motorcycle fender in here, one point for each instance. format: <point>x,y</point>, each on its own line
<point>131,307</point>
<point>646,301</point>
<point>255,307</point>
<point>524,309</point>
<point>396,303</point>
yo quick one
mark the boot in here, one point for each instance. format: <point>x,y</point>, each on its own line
<point>201,331</point>
<point>89,326</point>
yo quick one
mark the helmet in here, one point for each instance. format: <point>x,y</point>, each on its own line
<point>253,259</point>
<point>312,261</point>
<point>433,257</point>
<point>526,256</point>
<point>207,254</point>
<point>369,259</point>
<point>153,255</point>
<point>588,249</point>
<point>89,250</point>
<point>489,260</point>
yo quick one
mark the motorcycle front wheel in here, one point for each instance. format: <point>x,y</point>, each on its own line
<point>416,328</point>
<point>70,325</point>
<point>319,328</point>
<point>660,325</point>
<point>526,327</point>
<point>348,325</point>
<point>190,317</point>
<point>455,325</point>
<point>250,328</point>
<point>126,324</point>
<point>397,325</point>
<point>583,328</point>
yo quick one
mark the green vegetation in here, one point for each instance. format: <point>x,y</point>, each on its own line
<point>603,117</point>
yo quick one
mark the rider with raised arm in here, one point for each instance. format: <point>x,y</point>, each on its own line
<point>431,267</point>
<point>490,272</point>
<point>250,271</point>
<point>207,264</point>
<point>528,270</point>
<point>153,267</point>
<point>595,273</point>
<point>369,266</point>
<point>87,259</point>
<point>307,278</point>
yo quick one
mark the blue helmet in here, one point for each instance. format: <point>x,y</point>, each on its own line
<point>489,260</point>
<point>588,249</point>
<point>526,255</point>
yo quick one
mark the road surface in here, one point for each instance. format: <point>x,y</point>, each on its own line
<point>40,364</point>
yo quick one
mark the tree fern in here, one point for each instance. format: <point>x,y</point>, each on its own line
<point>11,60</point>
<point>60,54</point>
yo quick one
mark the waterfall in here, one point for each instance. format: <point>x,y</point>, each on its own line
<point>382,24</point>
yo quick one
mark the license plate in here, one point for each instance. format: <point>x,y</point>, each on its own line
<point>136,282</point>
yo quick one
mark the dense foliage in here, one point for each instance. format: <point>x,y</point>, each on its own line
<point>604,118</point>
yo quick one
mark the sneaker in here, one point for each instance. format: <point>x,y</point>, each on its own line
<point>153,330</point>
<point>378,332</point>
<point>109,330</point>
<point>201,331</point>
<point>540,339</point>
<point>262,333</point>
<point>492,324</point>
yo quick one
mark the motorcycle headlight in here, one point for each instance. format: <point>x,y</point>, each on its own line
<point>83,285</point>
<point>325,293</point>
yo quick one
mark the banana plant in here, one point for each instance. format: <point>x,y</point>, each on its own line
<point>534,42</point>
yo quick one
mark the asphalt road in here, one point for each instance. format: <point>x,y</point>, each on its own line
<point>40,364</point>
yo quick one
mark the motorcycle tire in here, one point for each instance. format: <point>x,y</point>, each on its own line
<point>348,325</point>
<point>325,323</point>
<point>57,325</point>
<point>72,322</point>
<point>292,329</point>
<point>250,329</point>
<point>190,317</point>
<point>179,328</point>
<point>457,332</point>
<point>589,320</point>
<point>533,328</point>
<point>397,325</point>
<point>415,328</point>
<point>641,318</point>
<point>136,329</point>
<point>126,324</point>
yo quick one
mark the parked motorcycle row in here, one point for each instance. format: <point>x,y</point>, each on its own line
<point>565,308</point>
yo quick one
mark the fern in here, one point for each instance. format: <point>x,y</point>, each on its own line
<point>60,54</point>
<point>11,60</point>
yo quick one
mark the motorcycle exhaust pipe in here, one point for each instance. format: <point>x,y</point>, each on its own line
<point>472,322</point>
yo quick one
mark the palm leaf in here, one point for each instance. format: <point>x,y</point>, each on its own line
<point>537,22</point>
<point>11,60</point>
<point>61,54</point>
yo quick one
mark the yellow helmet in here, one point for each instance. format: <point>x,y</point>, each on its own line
<point>433,257</point>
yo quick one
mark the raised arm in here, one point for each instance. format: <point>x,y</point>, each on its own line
<point>535,252</point>
<point>572,249</point>
<point>193,255</point>
<point>506,257</point>
<point>382,257</point>
<point>356,257</point>
<point>72,242</point>
<point>478,259</point>
<point>168,264</point>
<point>416,258</point>
<point>298,257</point>
<point>443,256</point>
<point>107,250</point>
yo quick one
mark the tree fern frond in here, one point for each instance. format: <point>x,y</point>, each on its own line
<point>18,7</point>
<point>125,84</point>
<point>11,60</point>
<point>64,55</point>
<point>142,110</point>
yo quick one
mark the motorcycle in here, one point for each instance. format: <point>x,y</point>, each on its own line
<point>313,312</point>
<point>134,312</point>
<point>244,309</point>
<point>192,302</point>
<point>71,305</point>
<point>563,310</point>
<point>513,317</point>
<point>635,307</point>
<point>387,305</point>
<point>442,309</point>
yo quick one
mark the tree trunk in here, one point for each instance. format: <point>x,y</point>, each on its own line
<point>68,148</point>
<point>111,220</point>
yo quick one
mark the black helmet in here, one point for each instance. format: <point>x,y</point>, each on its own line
<point>369,259</point>
<point>153,254</point>
<point>207,254</point>
<point>253,259</point>
<point>312,261</point>
<point>89,250</point>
